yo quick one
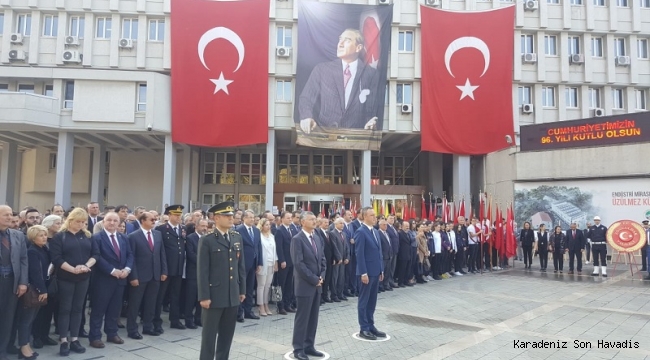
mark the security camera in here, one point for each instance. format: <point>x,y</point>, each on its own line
<point>149,127</point>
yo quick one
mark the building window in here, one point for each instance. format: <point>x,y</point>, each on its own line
<point>386,99</point>
<point>210,199</point>
<point>374,170</point>
<point>219,168</point>
<point>130,29</point>
<point>552,1</point>
<point>252,169</point>
<point>576,2</point>
<point>642,48</point>
<point>571,97</point>
<point>4,87</point>
<point>527,44</point>
<point>645,3</point>
<point>68,94</point>
<point>641,99</point>
<point>621,3</point>
<point>2,22</point>
<point>619,99</point>
<point>548,96</point>
<point>103,28</point>
<point>293,169</point>
<point>398,170</point>
<point>24,24</point>
<point>283,36</point>
<point>156,30</point>
<point>26,88</point>
<point>525,95</point>
<point>597,47</point>
<point>77,25</point>
<point>574,45</point>
<point>404,94</point>
<point>283,90</point>
<point>52,161</point>
<point>48,90</point>
<point>405,41</point>
<point>50,25</point>
<point>251,202</point>
<point>550,45</point>
<point>142,98</point>
<point>328,169</point>
<point>599,2</point>
<point>619,45</point>
<point>594,98</point>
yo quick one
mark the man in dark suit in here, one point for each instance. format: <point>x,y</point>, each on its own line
<point>403,256</point>
<point>252,241</point>
<point>575,245</point>
<point>93,215</point>
<point>339,238</point>
<point>332,257</point>
<point>386,254</point>
<point>353,284</point>
<point>370,268</point>
<point>173,234</point>
<point>192,308</point>
<point>149,269</point>
<point>13,275</point>
<point>221,283</point>
<point>344,88</point>
<point>283,236</point>
<point>394,245</point>
<point>113,266</point>
<point>307,254</point>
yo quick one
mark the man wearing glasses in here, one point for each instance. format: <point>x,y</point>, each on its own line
<point>32,217</point>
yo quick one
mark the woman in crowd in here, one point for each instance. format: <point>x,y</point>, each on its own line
<point>541,247</point>
<point>527,238</point>
<point>423,254</point>
<point>53,224</point>
<point>270,260</point>
<point>436,263</point>
<point>73,255</point>
<point>558,244</point>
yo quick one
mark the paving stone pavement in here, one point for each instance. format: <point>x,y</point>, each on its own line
<point>470,317</point>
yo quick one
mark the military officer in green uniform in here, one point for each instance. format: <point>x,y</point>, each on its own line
<point>221,281</point>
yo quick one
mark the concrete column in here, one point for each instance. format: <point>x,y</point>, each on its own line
<point>98,175</point>
<point>435,174</point>
<point>186,186</point>
<point>461,177</point>
<point>270,171</point>
<point>366,165</point>
<point>64,157</point>
<point>8,171</point>
<point>169,173</point>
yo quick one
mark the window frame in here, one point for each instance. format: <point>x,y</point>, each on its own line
<point>2,22</point>
<point>572,97</point>
<point>575,2</point>
<point>54,25</point>
<point>254,177</point>
<point>618,95</point>
<point>547,46</point>
<point>79,28</point>
<point>285,29</point>
<point>284,83</point>
<point>622,3</point>
<point>48,87</point>
<point>595,96</point>
<point>321,168</point>
<point>133,25</point>
<point>641,96</point>
<point>32,91</point>
<point>522,90</point>
<point>141,106</point>
<point>524,43</point>
<point>106,32</point>
<point>642,51</point>
<point>160,36</point>
<point>601,3</point>
<point>402,40</point>
<point>404,86</point>
<point>26,28</point>
<point>545,97</point>
<point>597,51</point>
<point>620,43</point>
<point>574,42</point>
<point>68,94</point>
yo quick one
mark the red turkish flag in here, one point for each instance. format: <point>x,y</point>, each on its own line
<point>371,38</point>
<point>220,72</point>
<point>467,80</point>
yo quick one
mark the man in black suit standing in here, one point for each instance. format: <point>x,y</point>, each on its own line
<point>113,266</point>
<point>192,309</point>
<point>332,257</point>
<point>149,269</point>
<point>339,239</point>
<point>283,235</point>
<point>576,245</point>
<point>307,254</point>
<point>353,283</point>
<point>403,256</point>
<point>386,254</point>
<point>173,234</point>
<point>93,215</point>
<point>252,240</point>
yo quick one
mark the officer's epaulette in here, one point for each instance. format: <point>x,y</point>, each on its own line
<point>233,232</point>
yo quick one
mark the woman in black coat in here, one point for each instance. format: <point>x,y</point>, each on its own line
<point>527,238</point>
<point>558,246</point>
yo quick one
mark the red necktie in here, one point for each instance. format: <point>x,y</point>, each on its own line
<point>574,233</point>
<point>115,247</point>
<point>346,76</point>
<point>150,240</point>
<point>313,245</point>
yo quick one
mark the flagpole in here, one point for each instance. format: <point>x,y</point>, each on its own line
<point>480,198</point>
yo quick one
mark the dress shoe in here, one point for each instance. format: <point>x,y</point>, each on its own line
<point>115,340</point>
<point>336,300</point>
<point>367,335</point>
<point>198,323</point>
<point>389,289</point>
<point>401,285</point>
<point>291,310</point>
<point>313,352</point>
<point>37,344</point>
<point>377,333</point>
<point>177,325</point>
<point>190,325</point>
<point>97,344</point>
<point>119,324</point>
<point>343,298</point>
<point>570,272</point>
<point>240,319</point>
<point>409,285</point>
<point>32,357</point>
<point>151,332</point>
<point>76,347</point>
<point>64,349</point>
<point>83,334</point>
<point>251,316</point>
<point>135,336</point>
<point>299,355</point>
<point>282,312</point>
<point>159,330</point>
<point>348,294</point>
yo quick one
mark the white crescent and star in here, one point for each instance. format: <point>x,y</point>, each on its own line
<point>626,236</point>
<point>463,43</point>
<point>221,33</point>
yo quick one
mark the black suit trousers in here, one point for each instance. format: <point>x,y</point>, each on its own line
<point>327,284</point>
<point>575,254</point>
<point>285,280</point>
<point>246,307</point>
<point>402,271</point>
<point>217,322</point>
<point>306,321</point>
<point>107,304</point>
<point>192,310</point>
<point>458,262</point>
<point>146,293</point>
<point>543,258</point>
<point>173,283</point>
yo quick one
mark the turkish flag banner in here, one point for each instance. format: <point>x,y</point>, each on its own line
<point>467,80</point>
<point>220,72</point>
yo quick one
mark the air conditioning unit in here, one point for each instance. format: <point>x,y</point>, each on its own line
<point>283,51</point>
<point>577,59</point>
<point>16,38</point>
<point>71,56</point>
<point>599,112</point>
<point>433,3</point>
<point>126,43</point>
<point>17,55</point>
<point>384,2</point>
<point>529,58</point>
<point>623,61</point>
<point>72,41</point>
<point>527,108</point>
<point>531,5</point>
<point>407,108</point>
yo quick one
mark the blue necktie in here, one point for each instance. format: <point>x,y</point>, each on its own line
<point>250,233</point>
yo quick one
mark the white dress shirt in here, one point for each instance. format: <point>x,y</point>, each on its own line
<point>117,241</point>
<point>353,73</point>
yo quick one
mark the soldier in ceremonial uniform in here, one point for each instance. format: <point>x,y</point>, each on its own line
<point>173,234</point>
<point>221,283</point>
<point>598,236</point>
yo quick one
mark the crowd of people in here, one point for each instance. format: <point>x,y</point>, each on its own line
<point>139,263</point>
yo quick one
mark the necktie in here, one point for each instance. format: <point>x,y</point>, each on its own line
<point>178,231</point>
<point>313,245</point>
<point>574,233</point>
<point>150,240</point>
<point>226,237</point>
<point>346,76</point>
<point>5,241</point>
<point>115,247</point>
<point>375,236</point>
<point>250,233</point>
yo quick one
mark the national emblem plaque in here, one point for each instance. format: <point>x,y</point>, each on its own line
<point>626,236</point>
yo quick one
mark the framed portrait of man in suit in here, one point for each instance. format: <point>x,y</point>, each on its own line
<point>341,74</point>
